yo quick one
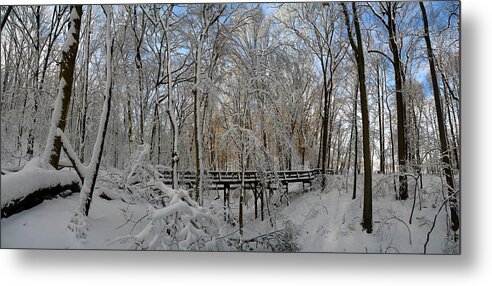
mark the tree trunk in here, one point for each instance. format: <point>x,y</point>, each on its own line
<point>129,116</point>
<point>67,67</point>
<point>36,85</point>
<point>382,159</point>
<point>138,65</point>
<point>153,136</point>
<point>197,123</point>
<point>5,17</point>
<point>442,129</point>
<point>241,195</point>
<point>324,133</point>
<point>86,87</point>
<point>356,148</point>
<point>89,183</point>
<point>359,55</point>
<point>400,102</point>
<point>170,108</point>
<point>453,141</point>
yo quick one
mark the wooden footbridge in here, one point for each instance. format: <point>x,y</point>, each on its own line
<point>257,182</point>
<point>254,181</point>
<point>220,180</point>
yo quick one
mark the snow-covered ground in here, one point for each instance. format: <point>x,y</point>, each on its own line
<point>315,221</point>
<point>45,226</point>
<point>331,222</point>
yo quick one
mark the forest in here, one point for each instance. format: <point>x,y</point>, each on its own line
<point>277,127</point>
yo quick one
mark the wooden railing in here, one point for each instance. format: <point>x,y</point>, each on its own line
<point>228,179</point>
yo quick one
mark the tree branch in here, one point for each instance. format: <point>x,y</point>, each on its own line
<point>72,155</point>
<point>381,53</point>
<point>5,17</point>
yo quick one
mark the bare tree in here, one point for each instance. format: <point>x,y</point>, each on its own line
<point>83,121</point>
<point>88,173</point>
<point>170,102</point>
<point>445,154</point>
<point>208,15</point>
<point>389,9</point>
<point>358,49</point>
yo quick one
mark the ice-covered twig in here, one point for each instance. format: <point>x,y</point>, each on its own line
<point>435,219</point>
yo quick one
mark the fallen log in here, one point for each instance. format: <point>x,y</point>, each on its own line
<point>37,197</point>
<point>36,182</point>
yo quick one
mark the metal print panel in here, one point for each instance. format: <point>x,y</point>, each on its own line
<point>270,127</point>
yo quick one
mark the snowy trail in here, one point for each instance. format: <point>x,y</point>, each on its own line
<point>330,221</point>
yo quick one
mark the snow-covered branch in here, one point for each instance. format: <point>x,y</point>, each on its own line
<point>72,155</point>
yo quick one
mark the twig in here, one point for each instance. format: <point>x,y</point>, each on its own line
<point>435,219</point>
<point>391,247</point>
<point>131,230</point>
<point>399,219</point>
<point>127,221</point>
<point>414,196</point>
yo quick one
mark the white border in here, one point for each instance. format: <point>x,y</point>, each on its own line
<point>180,268</point>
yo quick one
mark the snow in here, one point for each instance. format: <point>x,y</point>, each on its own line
<point>181,225</point>
<point>314,221</point>
<point>70,38</point>
<point>45,226</point>
<point>330,221</point>
<point>36,174</point>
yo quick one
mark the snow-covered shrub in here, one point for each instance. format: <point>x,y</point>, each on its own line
<point>137,168</point>
<point>140,177</point>
<point>174,221</point>
<point>110,185</point>
<point>180,225</point>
